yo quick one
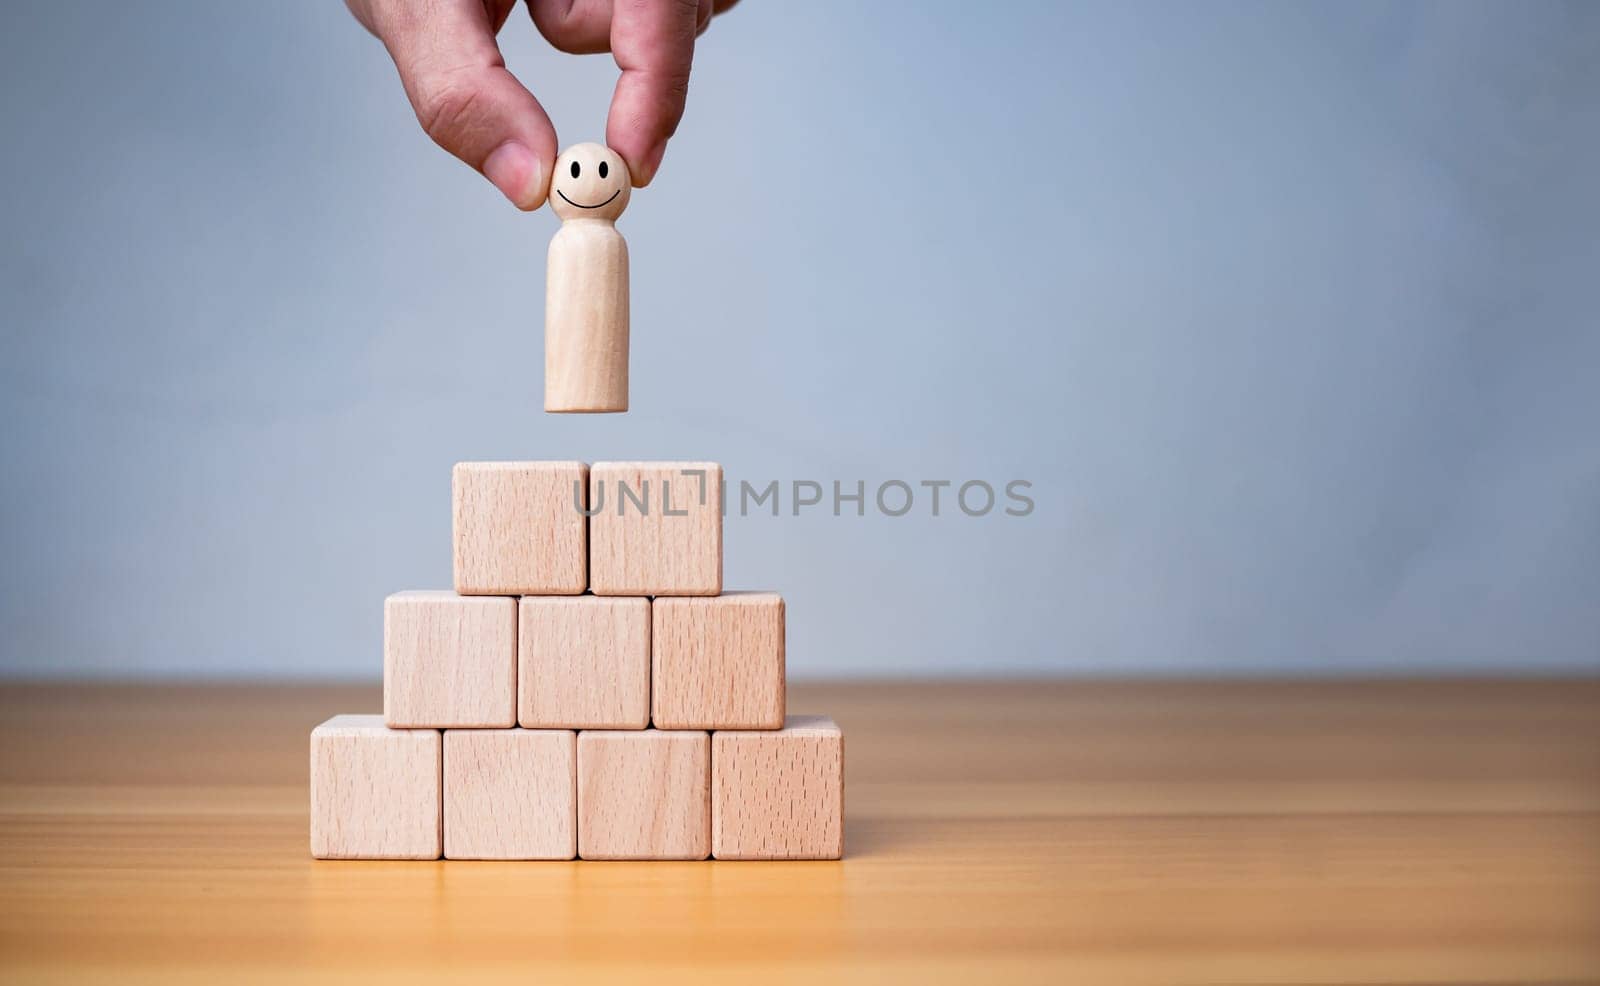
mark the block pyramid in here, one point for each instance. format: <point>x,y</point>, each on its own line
<point>587,690</point>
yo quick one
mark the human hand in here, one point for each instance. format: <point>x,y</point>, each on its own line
<point>474,108</point>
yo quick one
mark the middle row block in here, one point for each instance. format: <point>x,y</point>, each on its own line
<point>584,662</point>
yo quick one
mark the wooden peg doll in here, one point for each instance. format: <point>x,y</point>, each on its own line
<point>586,291</point>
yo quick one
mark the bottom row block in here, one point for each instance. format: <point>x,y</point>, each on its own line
<point>379,793</point>
<point>644,795</point>
<point>375,792</point>
<point>779,795</point>
<point>510,794</point>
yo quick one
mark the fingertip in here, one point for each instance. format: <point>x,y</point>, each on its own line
<point>649,165</point>
<point>518,173</point>
<point>643,159</point>
<point>544,161</point>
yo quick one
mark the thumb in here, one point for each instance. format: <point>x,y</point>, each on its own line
<point>465,98</point>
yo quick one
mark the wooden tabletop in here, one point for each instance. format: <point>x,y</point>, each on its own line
<point>996,832</point>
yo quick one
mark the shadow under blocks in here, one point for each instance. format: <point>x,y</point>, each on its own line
<point>586,690</point>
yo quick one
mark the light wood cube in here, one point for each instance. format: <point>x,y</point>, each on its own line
<point>718,662</point>
<point>510,794</point>
<point>656,528</point>
<point>583,662</point>
<point>644,795</point>
<point>374,790</point>
<point>779,795</point>
<point>520,528</point>
<point>449,660</point>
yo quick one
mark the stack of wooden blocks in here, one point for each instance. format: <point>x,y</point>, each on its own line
<point>588,689</point>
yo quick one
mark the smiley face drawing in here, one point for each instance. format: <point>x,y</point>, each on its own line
<point>590,182</point>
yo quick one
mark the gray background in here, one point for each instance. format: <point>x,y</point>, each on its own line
<point>1288,312</point>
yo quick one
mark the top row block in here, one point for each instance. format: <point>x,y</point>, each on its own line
<point>616,528</point>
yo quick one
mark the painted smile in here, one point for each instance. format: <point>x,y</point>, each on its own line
<point>582,206</point>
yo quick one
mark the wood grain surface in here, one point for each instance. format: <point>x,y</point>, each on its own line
<point>583,662</point>
<point>517,528</point>
<point>778,794</point>
<point>644,794</point>
<point>449,660</point>
<point>374,790</point>
<point>510,794</point>
<point>656,528</point>
<point>1444,831</point>
<point>718,661</point>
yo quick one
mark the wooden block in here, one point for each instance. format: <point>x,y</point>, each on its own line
<point>586,284</point>
<point>374,790</point>
<point>510,794</point>
<point>656,528</point>
<point>718,662</point>
<point>449,660</point>
<point>779,795</point>
<point>583,662</point>
<point>519,529</point>
<point>644,795</point>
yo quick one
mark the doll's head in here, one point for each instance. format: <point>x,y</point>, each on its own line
<point>590,182</point>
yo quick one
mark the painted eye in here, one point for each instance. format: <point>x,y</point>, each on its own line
<point>576,169</point>
<point>603,169</point>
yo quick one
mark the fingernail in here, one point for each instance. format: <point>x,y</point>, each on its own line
<point>652,162</point>
<point>516,171</point>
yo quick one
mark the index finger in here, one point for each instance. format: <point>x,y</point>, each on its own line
<point>653,43</point>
